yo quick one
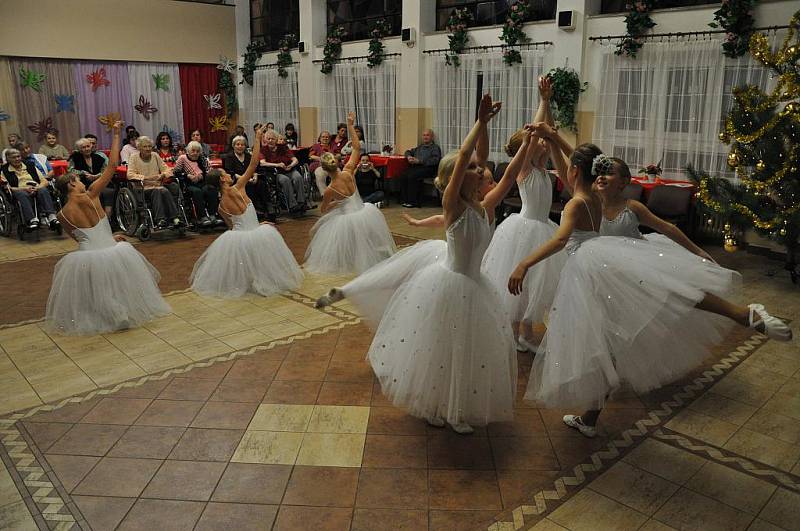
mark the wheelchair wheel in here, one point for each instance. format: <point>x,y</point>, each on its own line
<point>6,216</point>
<point>127,212</point>
<point>143,232</point>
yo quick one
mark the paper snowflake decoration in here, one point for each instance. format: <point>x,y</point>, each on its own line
<point>175,135</point>
<point>213,101</point>
<point>4,116</point>
<point>145,108</point>
<point>109,120</point>
<point>41,128</point>
<point>161,81</point>
<point>32,79</point>
<point>226,64</point>
<point>98,79</point>
<point>65,102</point>
<point>218,123</point>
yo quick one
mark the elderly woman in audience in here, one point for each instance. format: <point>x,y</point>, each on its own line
<point>292,140</point>
<point>13,140</point>
<point>197,136</point>
<point>285,165</point>
<point>129,148</point>
<point>235,164</point>
<point>52,149</point>
<point>205,198</point>
<point>89,166</point>
<point>156,178</point>
<point>165,148</point>
<point>28,185</point>
<point>323,145</point>
<point>340,140</point>
<point>93,139</point>
<point>348,148</point>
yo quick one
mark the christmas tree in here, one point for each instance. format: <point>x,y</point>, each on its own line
<point>763,130</point>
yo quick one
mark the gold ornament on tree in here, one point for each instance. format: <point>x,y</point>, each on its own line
<point>731,245</point>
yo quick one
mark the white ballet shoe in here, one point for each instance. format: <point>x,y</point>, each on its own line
<point>519,346</point>
<point>436,422</point>
<point>763,322</point>
<point>530,347</point>
<point>332,297</point>
<point>462,428</point>
<point>574,421</point>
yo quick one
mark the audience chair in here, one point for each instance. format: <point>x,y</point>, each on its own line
<point>671,203</point>
<point>633,191</point>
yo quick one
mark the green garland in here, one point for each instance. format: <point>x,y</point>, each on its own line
<point>457,26</point>
<point>250,58</point>
<point>228,87</point>
<point>333,48</point>
<point>637,23</point>
<point>567,88</point>
<point>735,17</point>
<point>284,53</point>
<point>381,29</point>
<point>512,32</point>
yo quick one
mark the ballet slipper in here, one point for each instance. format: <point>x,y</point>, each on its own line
<point>462,428</point>
<point>436,422</point>
<point>772,327</point>
<point>332,297</point>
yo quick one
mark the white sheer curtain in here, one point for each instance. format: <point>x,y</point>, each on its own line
<point>669,104</point>
<point>370,92</point>
<point>455,93</point>
<point>168,103</point>
<point>274,98</point>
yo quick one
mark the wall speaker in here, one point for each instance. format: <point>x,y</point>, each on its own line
<point>408,36</point>
<point>301,47</point>
<point>566,20</point>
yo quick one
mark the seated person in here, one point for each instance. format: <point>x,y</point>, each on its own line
<point>44,168</point>
<point>340,140</point>
<point>292,139</point>
<point>13,140</point>
<point>89,166</point>
<point>197,136</point>
<point>348,148</point>
<point>156,178</point>
<point>365,175</point>
<point>235,164</point>
<point>165,148</point>
<point>239,131</point>
<point>285,164</point>
<point>424,161</point>
<point>129,148</point>
<point>52,149</point>
<point>27,186</point>
<point>323,145</point>
<point>205,198</point>
<point>93,139</point>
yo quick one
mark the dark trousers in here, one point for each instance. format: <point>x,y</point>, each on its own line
<point>162,202</point>
<point>43,201</point>
<point>411,183</point>
<point>374,197</point>
<point>205,199</point>
<point>258,192</point>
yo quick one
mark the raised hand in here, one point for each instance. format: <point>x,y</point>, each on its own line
<point>351,118</point>
<point>117,127</point>
<point>542,129</point>
<point>545,88</point>
<point>488,109</point>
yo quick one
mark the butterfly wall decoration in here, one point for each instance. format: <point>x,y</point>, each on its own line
<point>226,64</point>
<point>65,102</point>
<point>213,101</point>
<point>218,123</point>
<point>145,108</point>
<point>98,79</point>
<point>4,116</point>
<point>31,79</point>
<point>161,81</point>
<point>42,127</point>
<point>109,120</point>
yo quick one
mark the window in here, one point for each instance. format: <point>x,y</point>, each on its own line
<point>270,20</point>
<point>491,12</point>
<point>631,96</point>
<point>618,6</point>
<point>359,16</point>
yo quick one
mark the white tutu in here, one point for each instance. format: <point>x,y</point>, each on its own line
<point>624,310</point>
<point>350,238</point>
<point>372,289</point>
<point>444,346</point>
<point>103,286</point>
<point>250,257</point>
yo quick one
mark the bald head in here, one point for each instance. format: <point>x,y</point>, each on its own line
<point>427,136</point>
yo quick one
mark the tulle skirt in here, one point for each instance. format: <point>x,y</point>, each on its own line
<point>347,242</point>
<point>372,290</point>
<point>102,290</point>
<point>625,311</point>
<point>515,239</point>
<point>444,349</point>
<point>239,261</point>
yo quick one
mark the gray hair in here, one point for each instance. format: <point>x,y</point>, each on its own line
<point>239,138</point>
<point>82,142</point>
<point>194,144</point>
<point>143,141</point>
<point>13,151</point>
<point>271,133</point>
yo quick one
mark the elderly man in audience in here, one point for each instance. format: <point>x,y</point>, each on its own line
<point>89,165</point>
<point>52,149</point>
<point>205,197</point>
<point>156,178</point>
<point>42,164</point>
<point>323,145</point>
<point>28,185</point>
<point>93,139</point>
<point>235,163</point>
<point>280,159</point>
<point>424,161</point>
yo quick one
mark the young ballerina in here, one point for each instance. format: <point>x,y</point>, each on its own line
<point>443,349</point>
<point>351,236</point>
<point>521,233</point>
<point>250,256</point>
<point>619,306</point>
<point>106,284</point>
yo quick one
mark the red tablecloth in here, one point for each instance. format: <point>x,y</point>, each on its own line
<point>649,185</point>
<point>60,167</point>
<point>394,164</point>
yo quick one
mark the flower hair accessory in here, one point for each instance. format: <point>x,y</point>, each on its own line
<point>601,165</point>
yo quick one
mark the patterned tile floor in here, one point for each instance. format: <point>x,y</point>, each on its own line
<point>269,418</point>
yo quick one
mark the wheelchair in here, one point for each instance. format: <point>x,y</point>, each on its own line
<point>11,215</point>
<point>135,217</point>
<point>189,209</point>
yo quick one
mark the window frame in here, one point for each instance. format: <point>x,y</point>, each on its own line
<point>268,44</point>
<point>499,17</point>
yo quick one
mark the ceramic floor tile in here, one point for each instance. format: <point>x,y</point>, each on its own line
<point>295,518</point>
<point>205,349</point>
<point>197,444</point>
<point>733,488</point>
<point>151,514</point>
<point>17,516</point>
<point>103,512</point>
<point>339,419</point>
<point>692,511</point>
<point>245,339</point>
<point>548,525</point>
<point>703,427</point>
<point>121,477</point>
<point>764,449</point>
<point>281,417</point>
<point>395,519</point>
<point>744,391</point>
<point>252,483</point>
<point>70,469</point>
<point>331,449</point>
<point>787,404</point>
<point>184,480</point>
<point>589,510</point>
<point>268,447</point>
<point>720,407</point>
<point>634,487</point>
<point>783,509</point>
<point>393,488</point>
<point>470,490</point>
<point>666,461</point>
<point>322,486</point>
<point>242,517</point>
<point>774,425</point>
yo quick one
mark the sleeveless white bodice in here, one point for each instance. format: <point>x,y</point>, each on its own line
<point>626,224</point>
<point>536,192</point>
<point>467,240</point>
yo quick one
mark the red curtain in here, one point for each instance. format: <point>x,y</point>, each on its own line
<point>198,81</point>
